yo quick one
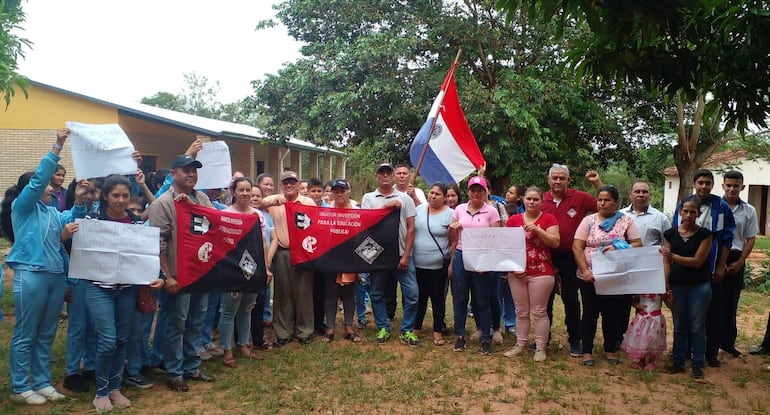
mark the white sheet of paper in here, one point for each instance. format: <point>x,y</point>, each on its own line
<point>217,170</point>
<point>99,150</point>
<point>115,252</point>
<point>494,249</point>
<point>629,271</point>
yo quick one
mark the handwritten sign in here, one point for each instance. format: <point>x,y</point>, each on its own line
<point>115,252</point>
<point>99,150</point>
<point>494,249</point>
<point>217,170</point>
<point>629,271</point>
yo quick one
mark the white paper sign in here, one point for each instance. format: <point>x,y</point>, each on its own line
<point>494,249</point>
<point>629,271</point>
<point>115,252</point>
<point>99,150</point>
<point>217,171</point>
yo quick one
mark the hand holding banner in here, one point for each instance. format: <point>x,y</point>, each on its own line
<point>99,150</point>
<point>629,271</point>
<point>494,249</point>
<point>217,170</point>
<point>115,252</point>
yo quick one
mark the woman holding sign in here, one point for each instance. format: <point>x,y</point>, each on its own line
<point>605,230</point>
<point>112,305</point>
<point>39,263</point>
<point>532,287</point>
<point>474,214</point>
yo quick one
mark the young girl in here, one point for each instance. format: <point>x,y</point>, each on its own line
<point>645,339</point>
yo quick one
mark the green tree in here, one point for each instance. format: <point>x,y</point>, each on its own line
<point>11,49</point>
<point>371,68</point>
<point>710,58</point>
<point>166,100</point>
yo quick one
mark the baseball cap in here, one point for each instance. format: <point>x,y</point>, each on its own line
<point>287,175</point>
<point>383,166</point>
<point>479,181</point>
<point>185,160</point>
<point>341,183</point>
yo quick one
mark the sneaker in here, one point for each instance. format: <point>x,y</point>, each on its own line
<point>382,336</point>
<point>76,383</point>
<point>138,381</point>
<point>674,369</point>
<point>497,337</point>
<point>713,361</point>
<point>516,351</point>
<point>574,350</point>
<point>29,398</point>
<point>476,335</point>
<point>213,349</point>
<point>204,354</point>
<point>459,345</point>
<point>486,348</point>
<point>540,356</point>
<point>410,338</point>
<point>50,393</point>
<point>697,372</point>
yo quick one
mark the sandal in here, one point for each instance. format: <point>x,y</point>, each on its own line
<point>438,341</point>
<point>229,362</point>
<point>353,336</point>
<point>245,352</point>
<point>328,337</point>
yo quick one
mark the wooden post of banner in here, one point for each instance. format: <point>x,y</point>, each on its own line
<point>433,124</point>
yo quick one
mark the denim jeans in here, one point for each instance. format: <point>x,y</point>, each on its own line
<point>235,310</point>
<point>38,297</point>
<point>112,311</point>
<point>267,314</point>
<point>138,352</point>
<point>690,307</point>
<point>460,292</point>
<point>183,333</point>
<point>507,305</point>
<point>362,295</point>
<point>80,328</point>
<point>159,336</point>
<point>484,286</point>
<point>409,294</point>
<point>1,292</point>
<point>211,319</point>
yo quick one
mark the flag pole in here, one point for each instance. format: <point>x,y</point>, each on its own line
<point>433,123</point>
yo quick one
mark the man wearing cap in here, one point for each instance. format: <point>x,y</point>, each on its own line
<point>387,197</point>
<point>569,206</point>
<point>186,311</point>
<point>293,297</point>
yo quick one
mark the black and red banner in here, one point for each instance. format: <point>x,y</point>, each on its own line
<point>343,240</point>
<point>218,251</point>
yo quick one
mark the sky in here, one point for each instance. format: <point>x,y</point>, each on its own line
<point>126,50</point>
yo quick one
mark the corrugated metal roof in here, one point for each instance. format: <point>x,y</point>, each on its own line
<point>200,125</point>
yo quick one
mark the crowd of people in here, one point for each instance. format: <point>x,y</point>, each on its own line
<point>110,337</point>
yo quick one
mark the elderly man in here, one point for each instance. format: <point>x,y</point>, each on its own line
<point>293,298</point>
<point>570,207</point>
<point>186,311</point>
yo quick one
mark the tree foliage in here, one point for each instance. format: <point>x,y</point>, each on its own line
<point>371,68</point>
<point>11,49</point>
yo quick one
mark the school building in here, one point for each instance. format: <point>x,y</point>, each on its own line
<point>28,129</point>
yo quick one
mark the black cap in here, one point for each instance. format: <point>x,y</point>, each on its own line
<point>184,160</point>
<point>341,183</point>
<point>383,166</point>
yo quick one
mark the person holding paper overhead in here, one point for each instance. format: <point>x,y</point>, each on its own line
<point>605,230</point>
<point>532,287</point>
<point>474,214</point>
<point>38,261</point>
<point>688,277</point>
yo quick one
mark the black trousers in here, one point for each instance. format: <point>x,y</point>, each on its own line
<point>567,268</point>
<point>612,310</point>
<point>257,325</point>
<point>430,283</point>
<point>732,286</point>
<point>390,298</point>
<point>319,297</point>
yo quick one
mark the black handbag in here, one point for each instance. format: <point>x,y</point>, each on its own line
<point>446,260</point>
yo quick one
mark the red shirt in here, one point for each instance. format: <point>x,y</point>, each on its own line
<point>538,255</point>
<point>569,213</point>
